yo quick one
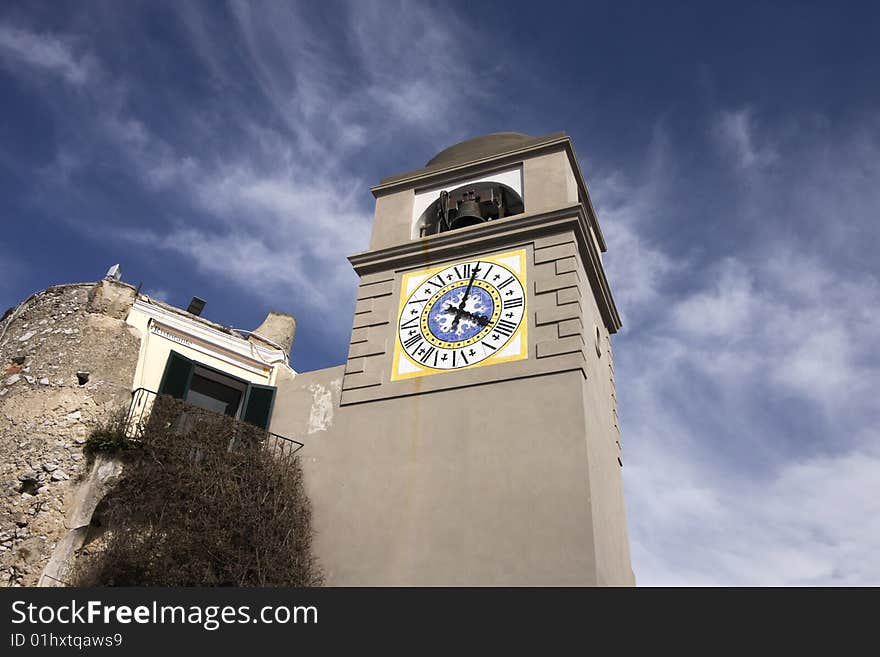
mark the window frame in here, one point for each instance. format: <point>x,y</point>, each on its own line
<point>243,405</point>
<point>247,398</point>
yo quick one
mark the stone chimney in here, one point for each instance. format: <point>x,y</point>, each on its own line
<point>278,328</point>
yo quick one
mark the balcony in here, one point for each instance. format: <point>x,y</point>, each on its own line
<point>155,413</point>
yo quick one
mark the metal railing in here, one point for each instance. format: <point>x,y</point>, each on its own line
<point>149,408</point>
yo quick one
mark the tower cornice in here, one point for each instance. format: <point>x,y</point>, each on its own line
<point>497,234</point>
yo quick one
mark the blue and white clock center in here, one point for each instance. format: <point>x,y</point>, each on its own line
<point>450,321</point>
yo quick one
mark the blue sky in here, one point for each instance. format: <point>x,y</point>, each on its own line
<point>732,152</point>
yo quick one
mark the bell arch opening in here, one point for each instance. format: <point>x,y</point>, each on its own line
<point>468,205</point>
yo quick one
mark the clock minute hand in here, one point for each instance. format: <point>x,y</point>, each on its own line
<point>465,297</point>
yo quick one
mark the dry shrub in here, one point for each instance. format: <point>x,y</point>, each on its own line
<point>204,500</point>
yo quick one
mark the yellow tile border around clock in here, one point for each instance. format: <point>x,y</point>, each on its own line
<point>520,334</point>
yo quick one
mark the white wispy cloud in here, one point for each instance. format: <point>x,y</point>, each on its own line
<point>158,293</point>
<point>736,133</point>
<point>811,521</point>
<point>416,67</point>
<point>725,484</point>
<point>45,52</point>
<point>271,203</point>
<point>628,206</point>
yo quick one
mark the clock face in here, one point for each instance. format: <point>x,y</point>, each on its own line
<point>465,314</point>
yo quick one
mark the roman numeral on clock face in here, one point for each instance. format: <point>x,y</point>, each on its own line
<point>427,355</point>
<point>486,322</point>
<point>505,327</point>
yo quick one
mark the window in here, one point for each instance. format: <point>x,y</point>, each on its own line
<point>216,391</point>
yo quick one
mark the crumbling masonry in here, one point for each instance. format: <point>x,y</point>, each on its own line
<point>67,359</point>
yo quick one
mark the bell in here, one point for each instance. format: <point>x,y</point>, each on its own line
<point>468,212</point>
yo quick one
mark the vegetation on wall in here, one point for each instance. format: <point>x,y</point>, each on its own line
<point>204,500</point>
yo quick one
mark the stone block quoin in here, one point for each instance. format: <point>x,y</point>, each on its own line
<point>370,342</point>
<point>560,289</point>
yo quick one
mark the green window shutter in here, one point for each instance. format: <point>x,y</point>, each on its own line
<point>177,376</point>
<point>258,405</point>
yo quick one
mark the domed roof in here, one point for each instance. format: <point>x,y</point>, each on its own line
<point>479,147</point>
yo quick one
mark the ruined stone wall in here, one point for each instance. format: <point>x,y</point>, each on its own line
<point>67,360</point>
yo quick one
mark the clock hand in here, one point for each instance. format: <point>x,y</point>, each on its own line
<point>465,297</point>
<point>482,320</point>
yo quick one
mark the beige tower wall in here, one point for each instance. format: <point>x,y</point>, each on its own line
<point>392,221</point>
<point>506,474</point>
<point>429,490</point>
<point>549,182</point>
<point>500,475</point>
<point>606,460</point>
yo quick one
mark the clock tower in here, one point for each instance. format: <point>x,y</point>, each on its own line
<point>471,438</point>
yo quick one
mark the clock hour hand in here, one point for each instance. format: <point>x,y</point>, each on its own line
<point>482,320</point>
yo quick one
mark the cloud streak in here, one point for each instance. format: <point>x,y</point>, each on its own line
<point>747,393</point>
<point>735,133</point>
<point>44,52</point>
<point>278,199</point>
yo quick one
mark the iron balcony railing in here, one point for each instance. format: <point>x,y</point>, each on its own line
<point>149,408</point>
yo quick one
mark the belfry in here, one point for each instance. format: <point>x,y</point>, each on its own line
<point>471,437</point>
